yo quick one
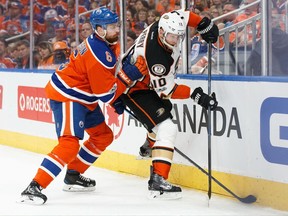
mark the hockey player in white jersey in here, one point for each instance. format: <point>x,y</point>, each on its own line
<point>149,98</point>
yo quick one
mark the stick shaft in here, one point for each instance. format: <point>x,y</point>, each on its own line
<point>209,121</point>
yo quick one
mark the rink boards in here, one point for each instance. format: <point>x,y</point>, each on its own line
<point>249,133</point>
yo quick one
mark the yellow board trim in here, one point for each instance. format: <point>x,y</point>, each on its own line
<point>268,193</point>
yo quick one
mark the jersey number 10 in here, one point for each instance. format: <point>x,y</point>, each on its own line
<point>157,83</point>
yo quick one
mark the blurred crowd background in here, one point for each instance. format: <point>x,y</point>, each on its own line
<point>41,34</point>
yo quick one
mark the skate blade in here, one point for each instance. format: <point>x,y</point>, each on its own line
<point>164,195</point>
<point>32,200</point>
<point>77,188</point>
<point>139,157</point>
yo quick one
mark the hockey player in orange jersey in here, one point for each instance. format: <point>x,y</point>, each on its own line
<point>74,92</point>
<point>149,97</point>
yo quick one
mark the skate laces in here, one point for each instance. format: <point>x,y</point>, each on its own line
<point>84,178</point>
<point>161,182</point>
<point>165,183</point>
<point>158,183</point>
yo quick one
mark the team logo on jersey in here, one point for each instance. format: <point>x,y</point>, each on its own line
<point>81,124</point>
<point>158,69</point>
<point>160,112</point>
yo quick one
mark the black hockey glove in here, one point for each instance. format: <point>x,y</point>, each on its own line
<point>208,30</point>
<point>119,106</point>
<point>203,99</point>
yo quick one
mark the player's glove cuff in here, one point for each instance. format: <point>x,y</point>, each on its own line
<point>208,30</point>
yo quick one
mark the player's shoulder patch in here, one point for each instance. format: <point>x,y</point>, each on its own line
<point>158,69</point>
<point>102,52</point>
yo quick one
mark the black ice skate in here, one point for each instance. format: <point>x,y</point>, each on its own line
<point>74,181</point>
<point>32,194</point>
<point>159,188</point>
<point>145,151</point>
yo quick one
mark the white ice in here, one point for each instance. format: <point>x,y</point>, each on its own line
<point>116,194</point>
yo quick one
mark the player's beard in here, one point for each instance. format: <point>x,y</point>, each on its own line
<point>112,39</point>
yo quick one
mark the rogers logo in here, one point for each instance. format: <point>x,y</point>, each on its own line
<point>33,104</point>
<point>1,96</point>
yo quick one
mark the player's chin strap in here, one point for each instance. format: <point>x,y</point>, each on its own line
<point>104,37</point>
<point>163,40</point>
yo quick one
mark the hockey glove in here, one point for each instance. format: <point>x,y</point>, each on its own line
<point>119,106</point>
<point>132,70</point>
<point>203,99</point>
<point>208,30</point>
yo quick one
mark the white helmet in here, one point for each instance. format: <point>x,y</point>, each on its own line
<point>172,22</point>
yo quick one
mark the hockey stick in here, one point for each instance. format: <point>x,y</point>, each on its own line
<point>249,199</point>
<point>209,121</point>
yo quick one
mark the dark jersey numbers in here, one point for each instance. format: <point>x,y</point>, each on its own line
<point>157,83</point>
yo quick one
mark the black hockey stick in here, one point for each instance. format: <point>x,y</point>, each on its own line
<point>209,121</point>
<point>249,199</point>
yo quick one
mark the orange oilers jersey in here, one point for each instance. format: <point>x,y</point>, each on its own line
<point>88,76</point>
<point>7,63</point>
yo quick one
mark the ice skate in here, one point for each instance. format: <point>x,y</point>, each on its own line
<point>159,188</point>
<point>32,195</point>
<point>75,182</point>
<point>145,151</point>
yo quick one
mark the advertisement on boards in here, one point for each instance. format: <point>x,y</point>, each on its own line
<point>33,104</point>
<point>274,130</point>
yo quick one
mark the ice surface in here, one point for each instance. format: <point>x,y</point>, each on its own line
<point>116,194</point>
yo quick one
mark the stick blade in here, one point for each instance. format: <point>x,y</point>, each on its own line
<point>248,200</point>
